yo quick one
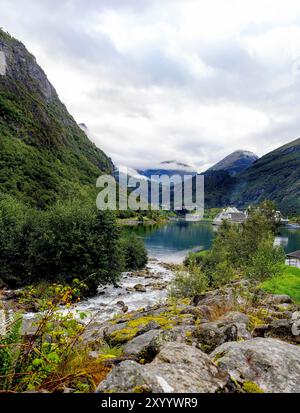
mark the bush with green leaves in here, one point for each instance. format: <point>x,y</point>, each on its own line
<point>267,261</point>
<point>242,249</point>
<point>67,241</point>
<point>188,282</point>
<point>223,273</point>
<point>54,356</point>
<point>13,242</point>
<point>134,253</point>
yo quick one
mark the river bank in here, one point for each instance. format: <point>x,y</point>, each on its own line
<point>234,339</point>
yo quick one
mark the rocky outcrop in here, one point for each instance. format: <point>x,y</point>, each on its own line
<point>223,341</point>
<point>281,329</point>
<point>222,299</point>
<point>232,327</point>
<point>272,365</point>
<point>178,368</point>
<point>278,299</point>
<point>143,346</point>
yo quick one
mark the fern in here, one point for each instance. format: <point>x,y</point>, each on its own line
<point>9,348</point>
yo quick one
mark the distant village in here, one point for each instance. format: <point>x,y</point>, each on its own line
<point>236,216</point>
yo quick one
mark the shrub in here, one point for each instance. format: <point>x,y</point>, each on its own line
<point>134,252</point>
<point>188,282</point>
<point>222,274</point>
<point>246,248</point>
<point>267,261</point>
<point>13,216</point>
<point>54,357</point>
<point>67,241</point>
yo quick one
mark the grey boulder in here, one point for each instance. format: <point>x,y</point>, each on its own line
<point>178,368</point>
<point>147,345</point>
<point>232,327</point>
<point>279,299</point>
<point>281,329</point>
<point>274,366</point>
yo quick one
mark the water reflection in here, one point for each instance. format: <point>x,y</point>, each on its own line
<point>293,239</point>
<point>172,242</point>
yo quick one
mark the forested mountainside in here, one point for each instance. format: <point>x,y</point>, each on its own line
<point>44,155</point>
<point>275,176</point>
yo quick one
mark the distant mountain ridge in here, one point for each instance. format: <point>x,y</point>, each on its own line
<point>242,178</point>
<point>275,176</point>
<point>235,163</point>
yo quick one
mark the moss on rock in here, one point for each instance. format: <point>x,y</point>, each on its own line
<point>251,387</point>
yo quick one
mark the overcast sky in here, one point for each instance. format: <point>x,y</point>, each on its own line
<point>157,80</point>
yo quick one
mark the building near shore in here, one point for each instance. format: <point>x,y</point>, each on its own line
<point>232,215</point>
<point>293,259</point>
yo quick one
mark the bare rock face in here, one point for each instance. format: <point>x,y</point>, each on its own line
<point>22,67</point>
<point>272,365</point>
<point>178,368</point>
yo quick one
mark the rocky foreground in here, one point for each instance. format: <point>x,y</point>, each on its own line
<point>234,339</point>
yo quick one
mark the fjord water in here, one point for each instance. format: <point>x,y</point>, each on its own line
<point>172,242</point>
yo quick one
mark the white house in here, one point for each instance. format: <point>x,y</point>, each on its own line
<point>293,259</point>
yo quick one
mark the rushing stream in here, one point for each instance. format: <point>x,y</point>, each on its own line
<point>112,300</point>
<point>165,244</point>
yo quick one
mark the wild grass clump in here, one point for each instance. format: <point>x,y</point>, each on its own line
<point>286,282</point>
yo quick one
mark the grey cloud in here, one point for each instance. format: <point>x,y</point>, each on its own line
<point>124,81</point>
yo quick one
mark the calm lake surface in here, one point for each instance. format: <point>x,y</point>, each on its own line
<point>172,242</point>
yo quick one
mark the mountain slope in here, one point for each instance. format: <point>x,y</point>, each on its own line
<point>219,186</point>
<point>235,163</point>
<point>275,176</point>
<point>44,155</point>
